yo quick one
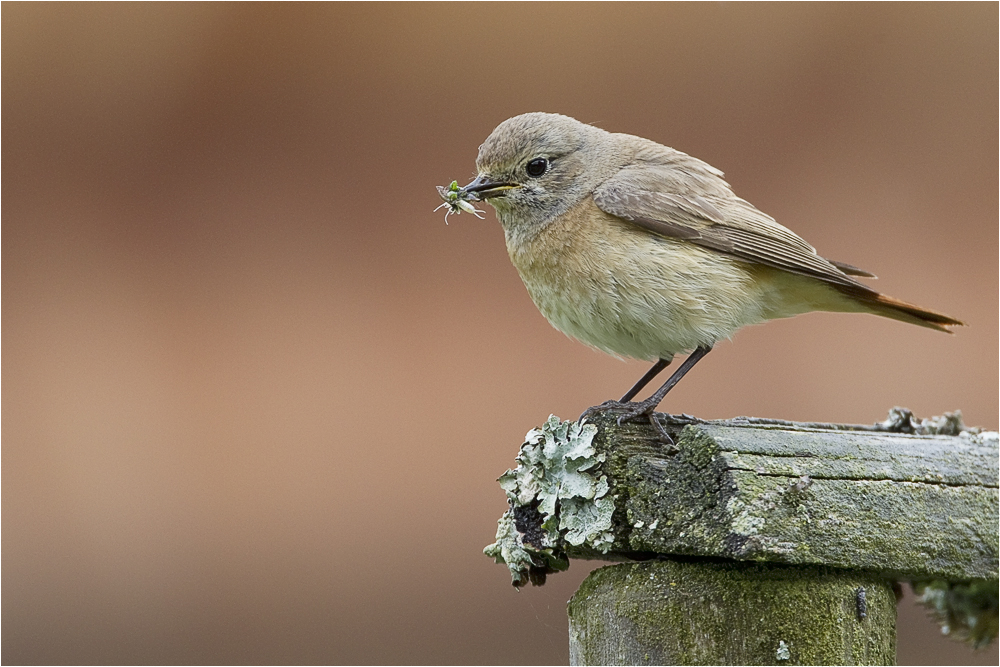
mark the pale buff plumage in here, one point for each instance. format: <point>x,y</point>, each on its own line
<point>582,274</point>
<point>643,251</point>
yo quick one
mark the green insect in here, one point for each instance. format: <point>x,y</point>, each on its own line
<point>456,200</point>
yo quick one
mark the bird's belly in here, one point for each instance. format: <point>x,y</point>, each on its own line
<point>636,295</point>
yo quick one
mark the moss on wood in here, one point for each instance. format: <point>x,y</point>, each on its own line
<point>905,506</point>
<point>691,613</point>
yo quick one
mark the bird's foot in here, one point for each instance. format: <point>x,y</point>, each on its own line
<point>606,406</point>
<point>632,411</point>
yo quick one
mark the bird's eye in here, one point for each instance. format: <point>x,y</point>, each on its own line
<point>537,167</point>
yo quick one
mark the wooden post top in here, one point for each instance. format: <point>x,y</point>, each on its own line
<point>904,505</point>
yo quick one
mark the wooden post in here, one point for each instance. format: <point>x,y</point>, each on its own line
<point>764,542</point>
<point>730,613</point>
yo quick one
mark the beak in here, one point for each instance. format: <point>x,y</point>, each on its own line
<point>483,188</point>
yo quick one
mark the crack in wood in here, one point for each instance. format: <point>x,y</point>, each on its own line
<point>862,479</point>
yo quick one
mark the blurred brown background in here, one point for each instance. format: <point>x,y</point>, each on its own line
<point>257,393</point>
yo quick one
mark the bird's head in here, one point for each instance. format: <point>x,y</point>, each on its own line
<point>536,166</point>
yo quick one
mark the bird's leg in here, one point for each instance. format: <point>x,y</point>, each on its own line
<point>648,406</point>
<point>624,402</point>
<point>645,379</point>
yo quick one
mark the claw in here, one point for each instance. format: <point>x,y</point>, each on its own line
<point>632,411</point>
<point>663,432</point>
<point>606,406</point>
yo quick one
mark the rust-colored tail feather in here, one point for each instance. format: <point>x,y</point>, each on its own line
<point>886,306</point>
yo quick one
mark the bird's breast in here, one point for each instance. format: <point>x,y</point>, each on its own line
<point>628,292</point>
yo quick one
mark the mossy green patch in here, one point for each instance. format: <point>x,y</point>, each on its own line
<point>671,612</point>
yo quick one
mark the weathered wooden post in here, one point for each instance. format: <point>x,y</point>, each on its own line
<point>752,541</point>
<point>687,613</point>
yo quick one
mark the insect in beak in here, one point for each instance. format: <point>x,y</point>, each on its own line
<point>457,199</point>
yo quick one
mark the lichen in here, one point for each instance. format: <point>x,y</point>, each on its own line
<point>526,562</point>
<point>783,653</point>
<point>967,611</point>
<point>557,497</point>
<point>902,420</point>
<point>900,506</point>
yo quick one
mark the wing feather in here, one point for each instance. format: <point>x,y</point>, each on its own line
<point>647,195</point>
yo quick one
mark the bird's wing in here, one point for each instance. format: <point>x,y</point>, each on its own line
<point>650,196</point>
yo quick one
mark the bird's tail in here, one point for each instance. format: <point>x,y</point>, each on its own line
<point>886,306</point>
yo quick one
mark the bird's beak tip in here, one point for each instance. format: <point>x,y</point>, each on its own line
<point>484,187</point>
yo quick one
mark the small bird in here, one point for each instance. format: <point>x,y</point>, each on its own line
<point>643,251</point>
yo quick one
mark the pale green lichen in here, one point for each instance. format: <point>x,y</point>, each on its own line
<point>967,611</point>
<point>508,547</point>
<point>557,497</point>
<point>902,420</point>
<point>745,520</point>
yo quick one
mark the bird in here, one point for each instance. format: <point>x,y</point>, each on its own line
<point>642,251</point>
